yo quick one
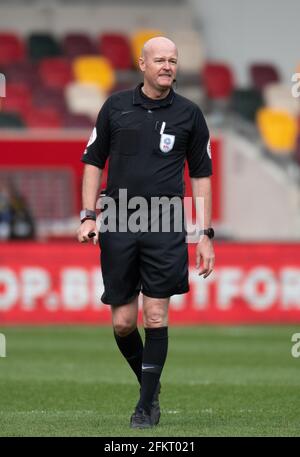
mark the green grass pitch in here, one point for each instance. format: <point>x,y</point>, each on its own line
<point>218,381</point>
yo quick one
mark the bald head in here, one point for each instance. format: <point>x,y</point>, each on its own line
<point>158,44</point>
<point>158,63</point>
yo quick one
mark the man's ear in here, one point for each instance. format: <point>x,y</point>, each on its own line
<point>142,64</point>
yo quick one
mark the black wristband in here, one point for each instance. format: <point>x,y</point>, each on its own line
<point>87,214</point>
<point>88,218</point>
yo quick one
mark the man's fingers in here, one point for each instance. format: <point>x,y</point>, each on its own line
<point>210,268</point>
<point>96,239</point>
<point>207,273</point>
<point>85,237</point>
<point>87,231</point>
<point>205,267</point>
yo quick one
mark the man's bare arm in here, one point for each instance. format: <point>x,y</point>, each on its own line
<point>201,188</point>
<point>91,183</point>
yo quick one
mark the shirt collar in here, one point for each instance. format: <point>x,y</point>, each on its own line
<point>141,99</point>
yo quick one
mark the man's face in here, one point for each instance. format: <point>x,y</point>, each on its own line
<point>159,66</point>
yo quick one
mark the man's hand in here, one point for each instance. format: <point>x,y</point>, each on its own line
<point>205,254</point>
<point>86,228</point>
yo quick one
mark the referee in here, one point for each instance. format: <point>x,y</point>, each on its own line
<point>147,134</point>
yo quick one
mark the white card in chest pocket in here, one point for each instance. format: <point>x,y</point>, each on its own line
<point>166,142</point>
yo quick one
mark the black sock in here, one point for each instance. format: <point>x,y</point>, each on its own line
<point>154,357</point>
<point>131,347</point>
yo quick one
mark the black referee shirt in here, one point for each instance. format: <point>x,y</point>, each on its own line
<point>147,142</point>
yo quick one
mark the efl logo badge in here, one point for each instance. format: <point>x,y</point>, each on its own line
<point>166,142</point>
<point>209,149</point>
<point>91,139</point>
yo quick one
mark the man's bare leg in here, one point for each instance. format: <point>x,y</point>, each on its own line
<point>128,339</point>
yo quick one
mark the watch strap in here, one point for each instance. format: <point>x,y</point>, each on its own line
<point>87,214</point>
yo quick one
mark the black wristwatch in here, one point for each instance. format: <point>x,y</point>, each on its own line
<point>87,214</point>
<point>209,232</point>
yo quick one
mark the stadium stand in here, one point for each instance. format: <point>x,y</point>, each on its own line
<point>218,80</point>
<point>11,120</point>
<point>60,77</point>
<point>42,118</point>
<point>246,103</point>
<point>18,99</point>
<point>263,74</point>
<point>77,44</point>
<point>279,96</point>
<point>278,130</point>
<point>12,49</point>
<point>116,48</point>
<point>23,72</point>
<point>45,97</point>
<point>47,191</point>
<point>83,98</point>
<point>55,72</point>
<point>190,49</point>
<point>94,69</point>
<point>43,45</point>
<point>74,121</point>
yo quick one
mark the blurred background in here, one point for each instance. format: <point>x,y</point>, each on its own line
<point>238,61</point>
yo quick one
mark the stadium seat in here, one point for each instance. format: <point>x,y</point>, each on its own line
<point>190,50</point>
<point>127,85</point>
<point>218,80</point>
<point>23,72</point>
<point>246,103</point>
<point>93,69</point>
<point>44,97</point>
<point>55,72</point>
<point>278,130</point>
<point>12,49</point>
<point>43,118</point>
<point>77,44</point>
<point>192,92</point>
<point>116,48</point>
<point>17,100</point>
<point>71,120</point>
<point>279,97</point>
<point>138,39</point>
<point>263,74</point>
<point>42,45</point>
<point>84,98</point>
<point>11,120</point>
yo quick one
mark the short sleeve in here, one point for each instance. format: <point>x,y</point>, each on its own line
<point>97,148</point>
<point>199,149</point>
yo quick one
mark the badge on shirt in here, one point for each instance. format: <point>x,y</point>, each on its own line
<point>166,142</point>
<point>92,137</point>
<point>209,149</point>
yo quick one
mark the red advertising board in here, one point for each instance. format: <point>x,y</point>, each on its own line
<point>61,283</point>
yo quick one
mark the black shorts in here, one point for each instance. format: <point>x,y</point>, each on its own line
<point>155,263</point>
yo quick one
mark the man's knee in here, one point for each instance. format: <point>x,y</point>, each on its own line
<point>124,318</point>
<point>155,318</point>
<point>155,312</point>
<point>123,327</point>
